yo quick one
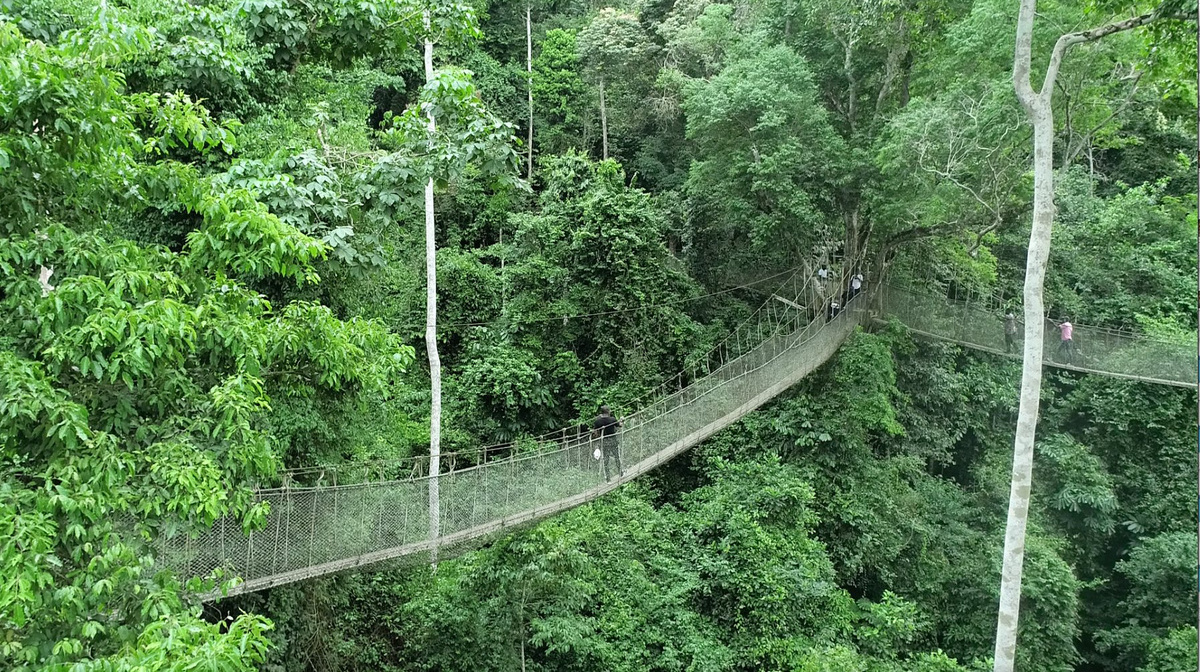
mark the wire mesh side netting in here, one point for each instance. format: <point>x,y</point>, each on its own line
<point>316,530</point>
<point>1095,350</point>
<point>332,526</point>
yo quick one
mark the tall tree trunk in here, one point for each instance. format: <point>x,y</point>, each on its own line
<point>603,122</point>
<point>852,84</point>
<point>529,88</point>
<point>435,362</point>
<point>1031,387</point>
<point>907,75</point>
<point>1038,107</point>
<point>852,234</point>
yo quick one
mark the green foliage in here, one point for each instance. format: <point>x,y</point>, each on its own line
<point>342,30</point>
<point>509,390</point>
<point>1174,653</point>
<point>1145,437</point>
<point>932,152</point>
<point>889,625</point>
<point>891,525</point>
<point>558,90</point>
<point>466,135</point>
<point>1156,605</point>
<point>1074,482</point>
<point>764,579</point>
<point>1123,257</point>
<point>131,387</point>
<point>729,580</point>
<point>763,178</point>
<point>596,251</point>
<point>613,41</point>
<point>306,193</point>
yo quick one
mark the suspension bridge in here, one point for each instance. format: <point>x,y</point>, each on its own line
<point>330,519</point>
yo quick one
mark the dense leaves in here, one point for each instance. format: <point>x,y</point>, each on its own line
<point>211,269</point>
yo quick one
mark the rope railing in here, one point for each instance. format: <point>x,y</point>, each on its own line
<point>1101,350</point>
<point>316,529</point>
<point>746,334</point>
<point>970,291</point>
<point>338,521</point>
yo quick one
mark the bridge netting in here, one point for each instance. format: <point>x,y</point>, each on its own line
<point>1107,352</point>
<point>328,519</point>
<point>351,515</point>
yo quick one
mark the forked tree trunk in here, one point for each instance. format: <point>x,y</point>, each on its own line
<point>1038,107</point>
<point>603,123</point>
<point>435,363</point>
<point>529,88</point>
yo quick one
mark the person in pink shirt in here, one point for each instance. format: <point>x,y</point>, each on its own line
<point>1065,329</point>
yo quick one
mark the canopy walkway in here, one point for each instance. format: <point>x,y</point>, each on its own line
<point>1097,350</point>
<point>330,519</point>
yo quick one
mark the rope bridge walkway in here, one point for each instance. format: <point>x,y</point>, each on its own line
<point>330,519</point>
<point>1107,352</point>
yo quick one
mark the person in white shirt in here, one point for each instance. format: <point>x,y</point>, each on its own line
<point>856,285</point>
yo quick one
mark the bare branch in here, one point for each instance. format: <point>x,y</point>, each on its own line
<point>1069,40</point>
<point>1086,138</point>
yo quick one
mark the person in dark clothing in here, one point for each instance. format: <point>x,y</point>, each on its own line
<point>1010,332</point>
<point>605,426</point>
<point>831,310</point>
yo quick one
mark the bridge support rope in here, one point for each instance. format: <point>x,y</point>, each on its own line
<point>312,531</point>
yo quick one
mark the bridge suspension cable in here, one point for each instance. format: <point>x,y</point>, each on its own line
<point>353,515</point>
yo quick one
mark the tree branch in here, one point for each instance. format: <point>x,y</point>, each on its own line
<point>1086,138</point>
<point>914,233</point>
<point>1069,40</point>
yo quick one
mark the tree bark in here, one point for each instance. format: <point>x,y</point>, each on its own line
<point>1038,108</point>
<point>435,362</point>
<point>897,54</point>
<point>1031,387</point>
<point>852,84</point>
<point>529,87</point>
<point>907,76</point>
<point>603,123</point>
<point>852,234</point>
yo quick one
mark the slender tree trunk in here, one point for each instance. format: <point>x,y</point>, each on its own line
<point>851,236</point>
<point>435,362</point>
<point>1038,107</point>
<point>1031,387</point>
<point>503,280</point>
<point>852,84</point>
<point>529,87</point>
<point>603,122</point>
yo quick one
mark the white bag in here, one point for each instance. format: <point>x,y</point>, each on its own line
<point>596,454</point>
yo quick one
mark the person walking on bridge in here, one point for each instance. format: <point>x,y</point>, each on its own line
<point>1010,333</point>
<point>605,426</point>
<point>856,284</point>
<point>1066,345</point>
<point>831,309</point>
